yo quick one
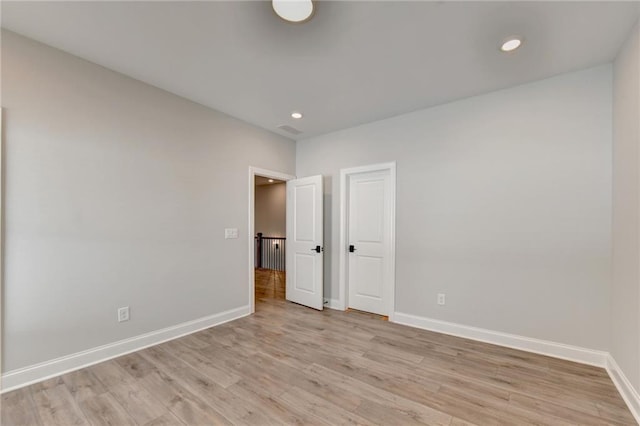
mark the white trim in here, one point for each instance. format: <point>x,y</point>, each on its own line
<point>543,347</point>
<point>342,302</point>
<point>1,234</point>
<point>626,389</point>
<point>36,373</point>
<point>333,304</point>
<point>253,172</point>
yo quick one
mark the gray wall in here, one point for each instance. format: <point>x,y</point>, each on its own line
<point>117,193</point>
<point>503,203</point>
<point>625,334</point>
<point>270,210</point>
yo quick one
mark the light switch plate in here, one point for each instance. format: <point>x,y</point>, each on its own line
<point>230,233</point>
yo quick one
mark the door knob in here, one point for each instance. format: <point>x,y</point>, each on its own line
<point>318,249</point>
<point>352,248</point>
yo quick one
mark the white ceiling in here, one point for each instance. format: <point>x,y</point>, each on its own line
<point>354,62</point>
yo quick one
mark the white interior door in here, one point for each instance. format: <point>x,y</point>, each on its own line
<point>369,242</point>
<point>305,251</point>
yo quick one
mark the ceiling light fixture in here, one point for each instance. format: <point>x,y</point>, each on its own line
<point>293,10</point>
<point>511,43</point>
<point>270,180</point>
<point>297,115</point>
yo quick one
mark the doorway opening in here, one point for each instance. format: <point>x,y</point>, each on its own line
<point>270,242</point>
<point>267,235</point>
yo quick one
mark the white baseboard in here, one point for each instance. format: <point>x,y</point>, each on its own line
<point>629,394</point>
<point>333,304</point>
<point>543,347</point>
<point>15,379</point>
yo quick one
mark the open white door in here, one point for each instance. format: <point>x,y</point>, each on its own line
<point>305,251</point>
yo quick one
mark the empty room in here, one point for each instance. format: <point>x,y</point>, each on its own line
<point>320,212</point>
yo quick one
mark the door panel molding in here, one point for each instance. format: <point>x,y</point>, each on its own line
<point>342,303</point>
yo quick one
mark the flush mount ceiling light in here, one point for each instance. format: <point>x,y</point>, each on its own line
<point>510,44</point>
<point>293,10</point>
<point>297,115</point>
<point>270,180</point>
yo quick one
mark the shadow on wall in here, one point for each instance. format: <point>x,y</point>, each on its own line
<point>270,209</point>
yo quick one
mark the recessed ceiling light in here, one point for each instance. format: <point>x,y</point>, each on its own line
<point>293,10</point>
<point>297,115</point>
<point>270,180</point>
<point>511,43</point>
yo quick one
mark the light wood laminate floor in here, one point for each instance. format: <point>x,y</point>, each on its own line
<point>270,284</point>
<point>292,365</point>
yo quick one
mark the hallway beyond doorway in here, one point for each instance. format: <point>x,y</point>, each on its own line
<point>270,284</point>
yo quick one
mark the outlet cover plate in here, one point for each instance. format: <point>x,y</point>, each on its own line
<point>123,314</point>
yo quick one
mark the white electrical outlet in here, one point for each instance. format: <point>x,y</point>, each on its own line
<point>123,314</point>
<point>440,298</point>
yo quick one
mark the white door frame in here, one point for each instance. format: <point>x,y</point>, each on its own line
<point>343,254</point>
<point>253,172</point>
<point>1,236</point>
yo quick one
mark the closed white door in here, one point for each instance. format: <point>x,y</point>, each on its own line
<point>370,223</point>
<point>305,251</point>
